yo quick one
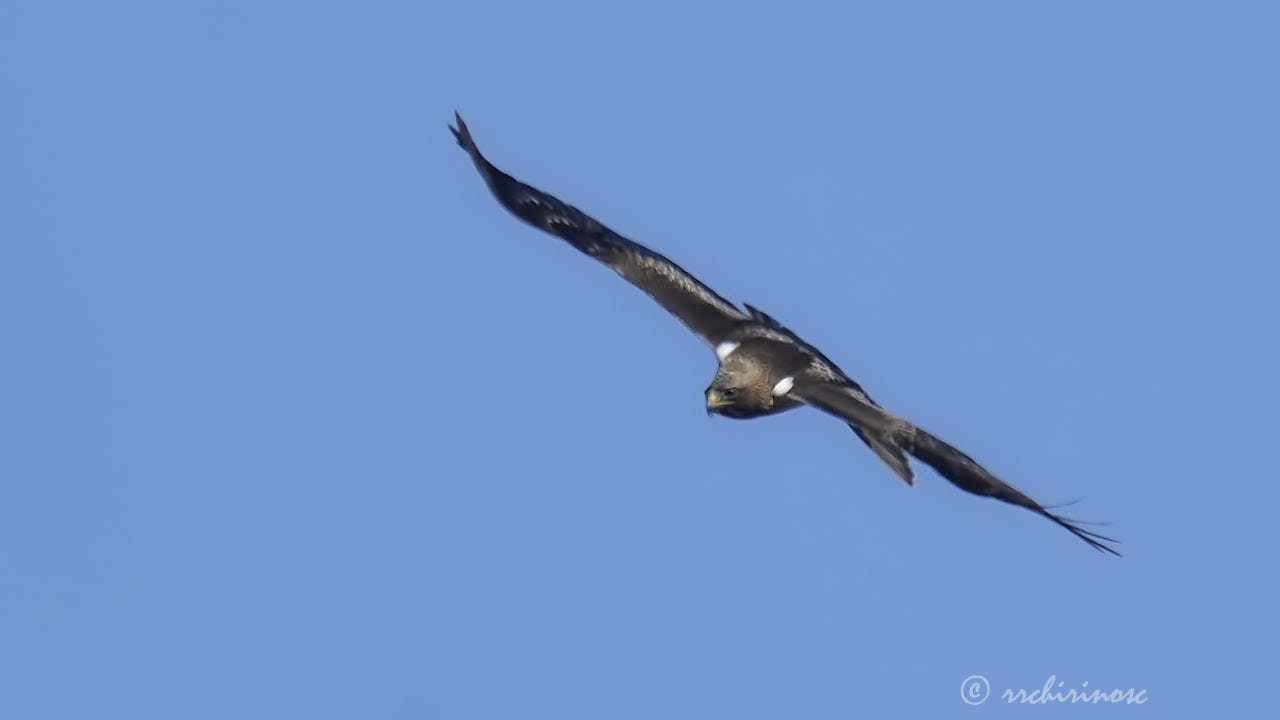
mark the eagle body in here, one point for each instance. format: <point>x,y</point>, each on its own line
<point>752,376</point>
<point>764,368</point>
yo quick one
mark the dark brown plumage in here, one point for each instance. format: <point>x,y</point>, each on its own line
<point>764,367</point>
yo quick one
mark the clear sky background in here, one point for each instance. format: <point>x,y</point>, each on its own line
<point>297,422</point>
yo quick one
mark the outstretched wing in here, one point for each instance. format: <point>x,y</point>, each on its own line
<point>708,315</point>
<point>961,470</point>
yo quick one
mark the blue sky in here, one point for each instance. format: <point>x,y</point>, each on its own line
<point>297,422</point>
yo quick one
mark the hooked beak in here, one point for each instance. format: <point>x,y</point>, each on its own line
<point>714,401</point>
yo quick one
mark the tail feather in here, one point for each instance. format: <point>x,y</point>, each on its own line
<point>891,454</point>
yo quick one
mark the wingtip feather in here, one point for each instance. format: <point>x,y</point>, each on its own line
<point>461,133</point>
<point>1096,540</point>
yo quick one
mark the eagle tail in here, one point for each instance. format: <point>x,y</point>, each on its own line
<point>965,473</point>
<point>891,454</point>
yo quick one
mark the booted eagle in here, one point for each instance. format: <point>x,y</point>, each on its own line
<point>764,367</point>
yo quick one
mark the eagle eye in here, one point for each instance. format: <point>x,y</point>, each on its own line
<point>729,392</point>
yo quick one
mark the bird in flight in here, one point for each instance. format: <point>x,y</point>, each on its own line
<point>764,367</point>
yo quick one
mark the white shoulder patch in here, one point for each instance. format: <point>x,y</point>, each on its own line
<point>784,386</point>
<point>725,349</point>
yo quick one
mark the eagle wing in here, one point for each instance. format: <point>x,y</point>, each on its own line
<point>709,316</point>
<point>852,406</point>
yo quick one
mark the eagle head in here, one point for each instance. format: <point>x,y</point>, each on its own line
<point>726,397</point>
